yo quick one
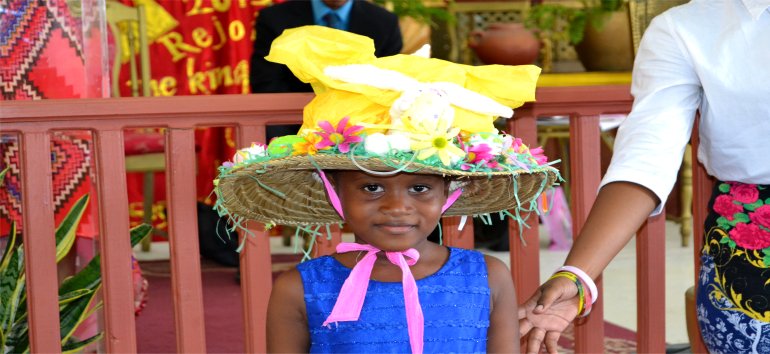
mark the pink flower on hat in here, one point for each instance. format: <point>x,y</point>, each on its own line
<point>478,154</point>
<point>750,236</point>
<point>744,193</point>
<point>538,155</point>
<point>341,136</point>
<point>761,216</point>
<point>725,206</point>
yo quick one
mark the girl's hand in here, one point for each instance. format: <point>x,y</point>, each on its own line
<point>546,314</point>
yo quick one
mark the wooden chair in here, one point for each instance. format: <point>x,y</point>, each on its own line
<point>144,148</point>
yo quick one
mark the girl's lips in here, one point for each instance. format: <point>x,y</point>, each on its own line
<point>396,228</point>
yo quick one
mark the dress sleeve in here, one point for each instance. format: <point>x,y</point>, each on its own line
<point>667,91</point>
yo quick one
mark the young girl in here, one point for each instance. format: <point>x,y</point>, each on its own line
<point>389,154</point>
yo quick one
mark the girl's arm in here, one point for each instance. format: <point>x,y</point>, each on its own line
<point>503,334</point>
<point>287,330</point>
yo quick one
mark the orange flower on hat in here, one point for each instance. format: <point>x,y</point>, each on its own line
<point>307,147</point>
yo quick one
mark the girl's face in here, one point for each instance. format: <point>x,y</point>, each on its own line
<point>392,213</point>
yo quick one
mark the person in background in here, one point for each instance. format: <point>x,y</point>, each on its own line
<point>708,56</point>
<point>356,16</point>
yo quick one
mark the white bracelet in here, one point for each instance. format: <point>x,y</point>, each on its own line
<point>585,279</point>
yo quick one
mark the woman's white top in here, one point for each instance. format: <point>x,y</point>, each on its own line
<point>707,55</point>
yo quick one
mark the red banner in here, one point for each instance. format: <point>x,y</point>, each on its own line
<point>197,47</point>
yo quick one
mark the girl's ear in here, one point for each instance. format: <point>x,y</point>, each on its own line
<point>332,177</point>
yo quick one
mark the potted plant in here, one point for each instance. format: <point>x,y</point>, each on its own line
<point>416,17</point>
<point>77,294</point>
<point>600,30</point>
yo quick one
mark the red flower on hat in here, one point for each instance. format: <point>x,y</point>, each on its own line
<point>725,206</point>
<point>750,236</point>
<point>744,193</point>
<point>761,216</point>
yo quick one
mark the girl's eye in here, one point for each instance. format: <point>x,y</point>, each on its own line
<point>373,188</point>
<point>420,188</point>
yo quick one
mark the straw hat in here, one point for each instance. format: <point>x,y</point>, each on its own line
<point>400,114</point>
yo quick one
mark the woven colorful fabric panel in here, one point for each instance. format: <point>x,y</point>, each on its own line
<point>41,57</point>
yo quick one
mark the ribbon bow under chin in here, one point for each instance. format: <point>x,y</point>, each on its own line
<point>351,297</point>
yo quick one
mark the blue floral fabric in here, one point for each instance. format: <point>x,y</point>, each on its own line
<point>455,302</point>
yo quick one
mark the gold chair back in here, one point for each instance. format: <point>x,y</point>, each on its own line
<point>643,11</point>
<point>129,25</point>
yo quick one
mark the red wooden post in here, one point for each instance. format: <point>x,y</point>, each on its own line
<point>453,237</point>
<point>183,241</point>
<point>650,285</point>
<point>256,266</point>
<point>39,242</point>
<point>702,185</point>
<point>525,260</point>
<point>256,285</point>
<point>586,175</point>
<point>114,242</point>
<point>324,246</point>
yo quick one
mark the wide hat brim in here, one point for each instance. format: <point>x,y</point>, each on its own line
<point>288,191</point>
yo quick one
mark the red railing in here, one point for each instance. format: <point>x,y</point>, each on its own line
<point>34,121</point>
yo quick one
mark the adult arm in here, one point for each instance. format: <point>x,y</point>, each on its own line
<point>503,334</point>
<point>646,158</point>
<point>287,329</point>
<point>619,210</point>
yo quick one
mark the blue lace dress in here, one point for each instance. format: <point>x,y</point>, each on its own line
<point>455,302</point>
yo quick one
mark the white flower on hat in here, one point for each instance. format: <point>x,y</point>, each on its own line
<point>255,150</point>
<point>381,144</point>
<point>423,102</point>
<point>494,141</point>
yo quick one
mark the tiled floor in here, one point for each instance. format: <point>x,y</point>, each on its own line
<point>619,279</point>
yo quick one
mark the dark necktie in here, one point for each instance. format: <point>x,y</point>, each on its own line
<point>332,20</point>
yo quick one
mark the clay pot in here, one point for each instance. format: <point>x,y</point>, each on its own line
<point>505,43</point>
<point>608,49</point>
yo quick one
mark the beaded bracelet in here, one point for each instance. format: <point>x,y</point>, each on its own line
<point>581,294</point>
<point>585,278</point>
<point>588,306</point>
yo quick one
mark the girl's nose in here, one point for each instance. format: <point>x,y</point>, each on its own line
<point>395,204</point>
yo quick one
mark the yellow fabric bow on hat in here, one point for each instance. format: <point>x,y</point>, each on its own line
<point>308,50</point>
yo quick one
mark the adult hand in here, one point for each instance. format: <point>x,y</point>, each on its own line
<point>546,314</point>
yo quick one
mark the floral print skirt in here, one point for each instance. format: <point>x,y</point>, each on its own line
<point>733,300</point>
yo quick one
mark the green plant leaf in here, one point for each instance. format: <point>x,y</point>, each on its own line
<point>73,314</point>
<point>10,247</point>
<point>18,340</point>
<point>724,187</point>
<point>90,275</point>
<point>76,346</point>
<point>65,233</point>
<point>12,284</point>
<point>2,175</point>
<point>72,296</point>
